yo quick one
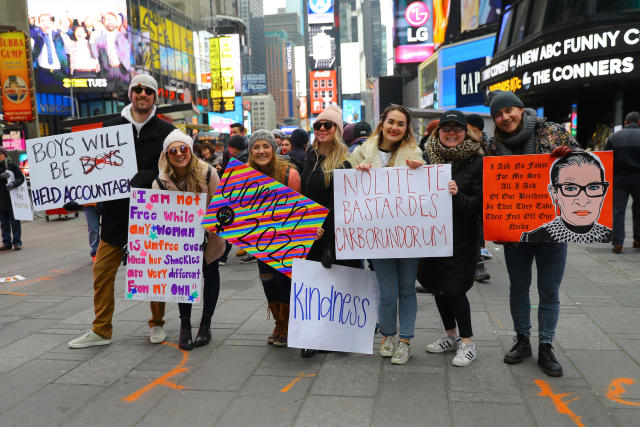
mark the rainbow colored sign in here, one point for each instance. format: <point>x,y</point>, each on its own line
<point>266,218</point>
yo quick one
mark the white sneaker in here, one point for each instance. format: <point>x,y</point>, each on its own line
<point>157,335</point>
<point>387,346</point>
<point>89,339</point>
<point>402,353</point>
<point>466,354</point>
<point>444,343</point>
<point>485,254</point>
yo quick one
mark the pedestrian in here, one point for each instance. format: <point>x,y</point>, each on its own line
<point>519,132</point>
<point>10,177</point>
<point>361,132</point>
<point>207,153</point>
<point>180,170</point>
<point>149,133</point>
<point>450,278</point>
<point>347,134</point>
<point>276,285</point>
<point>327,154</point>
<point>433,124</point>
<point>298,154</point>
<point>285,147</point>
<point>625,145</point>
<point>392,144</point>
<point>279,136</point>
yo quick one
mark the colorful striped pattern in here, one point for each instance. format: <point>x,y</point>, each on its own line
<point>271,221</point>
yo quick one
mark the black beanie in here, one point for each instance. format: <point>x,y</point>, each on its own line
<point>299,137</point>
<point>499,99</point>
<point>237,141</point>
<point>475,120</point>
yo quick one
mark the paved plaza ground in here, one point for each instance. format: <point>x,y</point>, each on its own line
<point>239,380</point>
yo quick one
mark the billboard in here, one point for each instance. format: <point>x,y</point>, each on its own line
<point>320,11</point>
<point>351,110</point>
<point>468,82</point>
<point>475,13</point>
<point>79,44</point>
<point>289,67</point>
<point>254,84</point>
<point>222,73</point>
<point>322,47</point>
<point>221,121</point>
<point>414,30</point>
<point>323,89</point>
<point>16,85</point>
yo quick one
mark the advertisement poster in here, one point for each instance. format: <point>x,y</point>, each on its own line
<point>393,212</point>
<point>414,30</point>
<point>18,103</point>
<point>86,167</point>
<point>267,219</point>
<point>164,262</point>
<point>333,309</point>
<point>81,44</point>
<point>538,198</point>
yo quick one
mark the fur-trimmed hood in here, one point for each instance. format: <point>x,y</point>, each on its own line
<point>368,153</point>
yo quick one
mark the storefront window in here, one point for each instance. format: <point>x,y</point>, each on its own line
<point>505,30</point>
<point>559,11</point>
<point>536,17</point>
<point>617,5</point>
<point>520,22</point>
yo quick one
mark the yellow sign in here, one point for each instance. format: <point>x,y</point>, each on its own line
<point>15,82</point>
<point>511,85</point>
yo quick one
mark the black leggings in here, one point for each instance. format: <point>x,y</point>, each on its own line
<point>455,310</point>
<point>210,291</point>
<point>277,286</point>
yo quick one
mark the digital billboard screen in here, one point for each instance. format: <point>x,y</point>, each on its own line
<point>322,47</point>
<point>78,43</point>
<point>320,11</point>
<point>351,110</point>
<point>414,30</point>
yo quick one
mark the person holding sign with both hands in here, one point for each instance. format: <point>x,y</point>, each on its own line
<point>393,144</point>
<point>451,277</point>
<point>180,170</point>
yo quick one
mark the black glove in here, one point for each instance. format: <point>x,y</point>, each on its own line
<point>5,175</point>
<point>327,258</point>
<point>11,185</point>
<point>72,207</point>
<point>143,179</point>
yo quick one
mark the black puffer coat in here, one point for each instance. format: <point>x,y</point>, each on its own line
<point>455,275</point>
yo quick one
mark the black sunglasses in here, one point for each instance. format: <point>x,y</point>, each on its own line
<point>174,151</point>
<point>147,90</point>
<point>326,125</point>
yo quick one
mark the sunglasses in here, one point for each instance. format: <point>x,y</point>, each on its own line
<point>319,125</point>
<point>147,90</point>
<point>174,151</point>
<point>456,129</point>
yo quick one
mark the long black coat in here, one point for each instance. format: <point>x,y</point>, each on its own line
<point>148,144</point>
<point>454,275</point>
<point>5,198</point>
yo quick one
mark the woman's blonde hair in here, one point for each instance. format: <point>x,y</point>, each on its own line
<point>408,140</point>
<point>195,181</point>
<point>335,159</point>
<point>276,169</point>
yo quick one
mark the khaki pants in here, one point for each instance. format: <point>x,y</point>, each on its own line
<point>105,268</point>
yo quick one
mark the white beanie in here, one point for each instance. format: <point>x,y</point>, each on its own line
<point>177,135</point>
<point>333,113</point>
<point>144,80</point>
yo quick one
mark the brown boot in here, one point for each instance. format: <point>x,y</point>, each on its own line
<point>274,310</point>
<point>284,328</point>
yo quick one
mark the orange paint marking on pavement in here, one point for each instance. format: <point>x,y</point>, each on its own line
<point>13,293</point>
<point>41,278</point>
<point>560,404</point>
<point>616,389</point>
<point>163,380</point>
<point>295,380</point>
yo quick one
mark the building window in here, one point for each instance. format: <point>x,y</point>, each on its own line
<point>315,94</point>
<point>322,83</point>
<point>315,84</point>
<point>329,83</point>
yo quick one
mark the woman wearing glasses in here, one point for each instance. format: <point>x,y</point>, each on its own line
<point>392,144</point>
<point>577,189</point>
<point>519,131</point>
<point>327,154</point>
<point>180,170</point>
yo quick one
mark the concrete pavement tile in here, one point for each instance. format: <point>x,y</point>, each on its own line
<point>462,396</point>
<point>187,407</point>
<point>579,332</point>
<point>488,373</point>
<point>21,382</point>
<point>490,414</point>
<point>237,311</point>
<point>335,411</point>
<point>276,410</point>
<point>26,308</point>
<point>20,329</point>
<point>108,366</point>
<point>627,296</point>
<point>632,347</point>
<point>50,406</point>
<point>226,369</point>
<point>348,374</point>
<point>615,319</point>
<point>263,385</point>
<point>626,417</point>
<point>64,309</point>
<point>288,362</point>
<point>26,349</point>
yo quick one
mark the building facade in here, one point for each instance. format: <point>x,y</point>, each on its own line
<point>263,112</point>
<point>254,58</point>
<point>278,69</point>
<point>289,22</point>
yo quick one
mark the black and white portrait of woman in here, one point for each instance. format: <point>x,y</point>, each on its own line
<point>577,188</point>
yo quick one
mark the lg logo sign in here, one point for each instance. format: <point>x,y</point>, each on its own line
<point>417,15</point>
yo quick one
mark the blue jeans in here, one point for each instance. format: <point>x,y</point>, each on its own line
<point>93,226</point>
<point>550,261</point>
<point>397,282</point>
<point>10,226</point>
<point>625,185</point>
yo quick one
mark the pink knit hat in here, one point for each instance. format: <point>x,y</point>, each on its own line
<point>333,113</point>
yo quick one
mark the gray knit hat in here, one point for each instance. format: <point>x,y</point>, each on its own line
<point>144,80</point>
<point>499,99</point>
<point>264,135</point>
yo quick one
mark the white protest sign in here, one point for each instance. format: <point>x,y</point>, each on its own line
<point>11,278</point>
<point>333,309</point>
<point>165,237</point>
<point>393,212</point>
<point>21,203</point>
<point>86,167</point>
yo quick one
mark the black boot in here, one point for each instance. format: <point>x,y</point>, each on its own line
<point>204,332</point>
<point>520,350</point>
<point>481,272</point>
<point>185,342</point>
<point>547,360</point>
<point>307,352</point>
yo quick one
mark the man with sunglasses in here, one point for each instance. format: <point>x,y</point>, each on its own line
<point>149,133</point>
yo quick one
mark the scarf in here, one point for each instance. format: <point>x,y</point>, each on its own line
<point>524,142</point>
<point>439,154</point>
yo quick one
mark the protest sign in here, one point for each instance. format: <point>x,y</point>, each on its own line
<point>333,309</point>
<point>267,219</point>
<point>86,167</point>
<point>393,212</point>
<point>21,203</point>
<point>539,198</point>
<point>11,278</point>
<point>165,237</point>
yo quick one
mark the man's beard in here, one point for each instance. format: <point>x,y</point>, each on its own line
<point>142,110</point>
